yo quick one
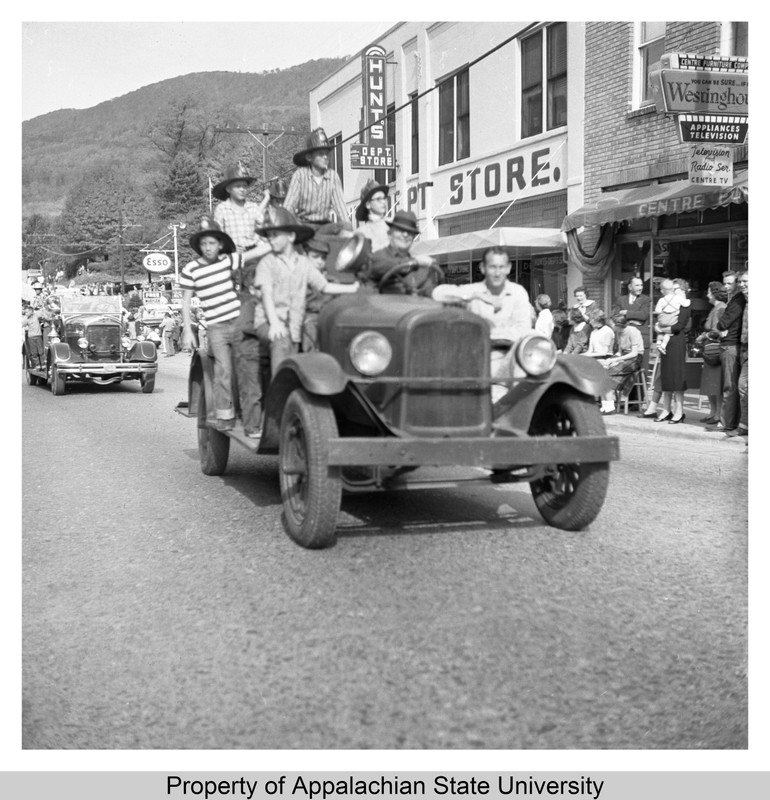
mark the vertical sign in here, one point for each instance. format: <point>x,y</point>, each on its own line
<point>375,97</point>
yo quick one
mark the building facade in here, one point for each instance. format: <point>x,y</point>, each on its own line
<point>522,124</point>
<point>487,132</point>
<point>633,152</point>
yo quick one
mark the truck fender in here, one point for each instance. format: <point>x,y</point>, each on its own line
<point>142,351</point>
<point>580,373</point>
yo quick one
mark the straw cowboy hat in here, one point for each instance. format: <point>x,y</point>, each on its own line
<point>232,174</point>
<point>404,221</point>
<point>315,140</point>
<point>370,189</point>
<point>211,228</point>
<point>278,218</point>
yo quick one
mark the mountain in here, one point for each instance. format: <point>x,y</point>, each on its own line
<point>59,147</point>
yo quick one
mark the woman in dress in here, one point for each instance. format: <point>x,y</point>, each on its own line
<point>601,342</point>
<point>672,365</point>
<point>711,376</point>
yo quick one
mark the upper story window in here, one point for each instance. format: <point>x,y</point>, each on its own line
<point>454,118</point>
<point>544,80</point>
<point>335,154</point>
<point>735,39</point>
<point>652,42</point>
<point>415,138</point>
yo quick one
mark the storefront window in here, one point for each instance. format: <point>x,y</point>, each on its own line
<point>549,276</point>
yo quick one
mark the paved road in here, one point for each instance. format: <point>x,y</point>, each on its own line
<point>165,609</point>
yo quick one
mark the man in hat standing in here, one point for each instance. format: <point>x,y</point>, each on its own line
<point>235,215</point>
<point>315,191</point>
<point>371,212</point>
<point>283,277</point>
<point>211,278</point>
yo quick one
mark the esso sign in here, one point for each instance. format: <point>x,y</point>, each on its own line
<point>156,262</point>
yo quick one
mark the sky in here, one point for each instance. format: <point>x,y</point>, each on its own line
<point>80,64</point>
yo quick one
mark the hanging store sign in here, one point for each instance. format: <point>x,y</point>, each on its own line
<point>373,152</point>
<point>375,94</point>
<point>708,95</point>
<point>372,156</point>
<point>711,165</point>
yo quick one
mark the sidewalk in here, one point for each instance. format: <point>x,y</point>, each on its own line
<point>691,428</point>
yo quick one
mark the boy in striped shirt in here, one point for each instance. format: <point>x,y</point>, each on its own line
<point>211,278</point>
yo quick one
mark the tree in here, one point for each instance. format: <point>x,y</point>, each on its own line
<point>183,192</point>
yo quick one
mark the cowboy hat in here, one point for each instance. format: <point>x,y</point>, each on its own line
<point>315,140</point>
<point>232,174</point>
<point>278,218</point>
<point>371,188</point>
<point>319,245</point>
<point>404,221</point>
<point>211,228</point>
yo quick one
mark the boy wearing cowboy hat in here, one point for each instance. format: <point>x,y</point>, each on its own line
<point>283,277</point>
<point>235,215</point>
<point>371,212</point>
<point>315,191</point>
<point>210,278</point>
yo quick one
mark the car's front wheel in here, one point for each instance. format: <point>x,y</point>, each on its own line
<point>57,381</point>
<point>311,490</point>
<point>569,496</point>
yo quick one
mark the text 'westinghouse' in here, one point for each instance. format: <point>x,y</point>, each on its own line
<point>381,786</point>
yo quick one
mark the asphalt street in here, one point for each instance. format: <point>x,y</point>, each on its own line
<point>164,609</point>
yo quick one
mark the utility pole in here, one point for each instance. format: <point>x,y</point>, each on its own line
<point>262,130</point>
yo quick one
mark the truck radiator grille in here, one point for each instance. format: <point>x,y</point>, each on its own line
<point>106,339</point>
<point>447,349</point>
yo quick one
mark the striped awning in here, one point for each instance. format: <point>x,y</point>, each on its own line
<point>677,197</point>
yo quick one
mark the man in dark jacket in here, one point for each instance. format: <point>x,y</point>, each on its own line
<point>730,325</point>
<point>634,307</point>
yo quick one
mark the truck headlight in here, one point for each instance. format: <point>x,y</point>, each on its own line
<point>83,343</point>
<point>370,353</point>
<point>535,354</point>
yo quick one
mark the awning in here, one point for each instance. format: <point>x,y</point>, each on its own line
<point>524,239</point>
<point>676,197</point>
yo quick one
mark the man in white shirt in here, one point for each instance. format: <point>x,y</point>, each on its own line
<point>503,304</point>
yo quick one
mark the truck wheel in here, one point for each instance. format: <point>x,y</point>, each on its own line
<point>570,496</point>
<point>311,490</point>
<point>57,381</point>
<point>148,383</point>
<point>213,446</point>
<point>32,380</point>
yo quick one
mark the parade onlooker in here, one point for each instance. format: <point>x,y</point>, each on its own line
<point>730,325</point>
<point>167,332</point>
<point>743,379</point>
<point>371,211</point>
<point>582,303</point>
<point>635,307</point>
<point>711,374</point>
<point>283,277</point>
<point>624,362</point>
<point>667,311</point>
<point>561,327</point>
<point>544,321</point>
<point>315,191</point>
<point>673,382</point>
<point>580,331</point>
<point>601,341</point>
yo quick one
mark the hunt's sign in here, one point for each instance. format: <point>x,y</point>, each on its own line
<point>375,95</point>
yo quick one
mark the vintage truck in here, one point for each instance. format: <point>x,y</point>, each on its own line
<point>402,382</point>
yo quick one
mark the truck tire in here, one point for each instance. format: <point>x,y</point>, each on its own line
<point>213,446</point>
<point>311,490</point>
<point>571,496</point>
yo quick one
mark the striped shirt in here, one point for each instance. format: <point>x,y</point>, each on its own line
<point>314,201</point>
<point>239,222</point>
<point>214,287</point>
